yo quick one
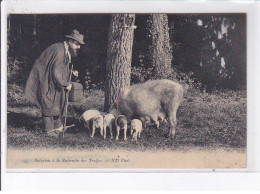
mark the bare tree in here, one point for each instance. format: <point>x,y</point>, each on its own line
<point>119,56</point>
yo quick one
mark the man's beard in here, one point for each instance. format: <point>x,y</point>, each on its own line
<point>73,52</point>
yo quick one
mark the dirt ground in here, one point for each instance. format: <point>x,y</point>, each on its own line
<point>211,133</point>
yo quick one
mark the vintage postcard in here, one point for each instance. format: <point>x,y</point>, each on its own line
<point>125,90</point>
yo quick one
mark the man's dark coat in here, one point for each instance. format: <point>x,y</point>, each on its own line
<point>48,79</point>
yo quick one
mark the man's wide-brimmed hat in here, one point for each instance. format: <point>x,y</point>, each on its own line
<point>75,35</point>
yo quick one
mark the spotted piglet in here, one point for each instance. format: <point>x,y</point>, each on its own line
<point>88,117</point>
<point>121,123</point>
<point>95,117</point>
<point>136,129</point>
<point>109,119</point>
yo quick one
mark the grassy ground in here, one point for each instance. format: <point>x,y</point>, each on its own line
<point>209,121</point>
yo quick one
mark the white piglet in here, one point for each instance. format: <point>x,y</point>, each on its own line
<point>109,119</point>
<point>98,123</point>
<point>136,129</point>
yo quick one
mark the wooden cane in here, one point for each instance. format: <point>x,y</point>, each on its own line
<point>66,105</point>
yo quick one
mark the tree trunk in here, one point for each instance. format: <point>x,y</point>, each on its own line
<point>160,50</point>
<point>119,56</point>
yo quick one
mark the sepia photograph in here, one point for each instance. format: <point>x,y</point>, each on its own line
<point>127,91</point>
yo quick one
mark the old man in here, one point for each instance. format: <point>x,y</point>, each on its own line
<point>49,81</point>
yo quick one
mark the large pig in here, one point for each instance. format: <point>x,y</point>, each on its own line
<point>156,99</point>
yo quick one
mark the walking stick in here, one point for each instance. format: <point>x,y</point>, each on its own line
<point>66,105</point>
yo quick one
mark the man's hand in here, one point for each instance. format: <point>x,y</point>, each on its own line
<point>69,87</point>
<point>75,73</point>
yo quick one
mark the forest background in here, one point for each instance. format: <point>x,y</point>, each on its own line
<point>208,48</point>
<point>206,52</point>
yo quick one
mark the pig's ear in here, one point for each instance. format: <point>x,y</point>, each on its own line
<point>113,106</point>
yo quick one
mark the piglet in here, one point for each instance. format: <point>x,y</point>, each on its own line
<point>136,129</point>
<point>121,123</point>
<point>109,119</point>
<point>93,116</point>
<point>98,122</point>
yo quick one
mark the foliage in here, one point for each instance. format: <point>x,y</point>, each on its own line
<point>211,46</point>
<point>16,70</point>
